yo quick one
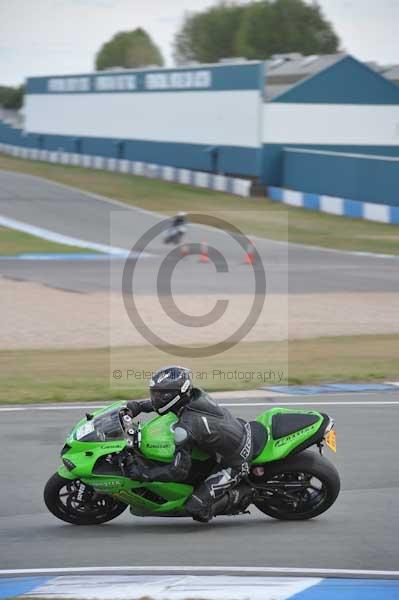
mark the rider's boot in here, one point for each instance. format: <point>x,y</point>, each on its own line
<point>199,509</point>
<point>210,498</point>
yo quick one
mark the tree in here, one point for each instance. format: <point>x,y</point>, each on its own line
<point>129,49</point>
<point>255,31</point>
<point>12,97</point>
<point>284,26</point>
<point>208,36</point>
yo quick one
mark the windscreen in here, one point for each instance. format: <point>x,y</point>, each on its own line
<point>104,427</point>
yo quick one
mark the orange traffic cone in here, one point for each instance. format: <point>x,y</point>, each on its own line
<point>184,250</point>
<point>204,258</point>
<point>250,254</point>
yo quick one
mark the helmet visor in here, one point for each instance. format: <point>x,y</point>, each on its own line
<point>160,398</point>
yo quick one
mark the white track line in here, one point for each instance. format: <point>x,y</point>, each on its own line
<point>319,403</point>
<point>53,236</point>
<point>274,404</point>
<point>202,569</point>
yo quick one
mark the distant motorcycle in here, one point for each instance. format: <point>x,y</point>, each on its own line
<point>174,234</point>
<point>285,481</point>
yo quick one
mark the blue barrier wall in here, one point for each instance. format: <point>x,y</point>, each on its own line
<point>17,137</point>
<point>230,159</point>
<point>364,178</point>
<point>273,157</point>
<point>11,135</point>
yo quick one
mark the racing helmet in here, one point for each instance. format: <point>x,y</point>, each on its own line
<point>170,389</point>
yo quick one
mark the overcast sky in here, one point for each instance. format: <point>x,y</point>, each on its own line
<point>43,37</point>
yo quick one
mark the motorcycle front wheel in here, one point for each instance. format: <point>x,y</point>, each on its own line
<point>300,487</point>
<point>75,502</point>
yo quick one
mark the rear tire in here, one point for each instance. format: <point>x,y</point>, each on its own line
<point>61,498</point>
<point>290,505</point>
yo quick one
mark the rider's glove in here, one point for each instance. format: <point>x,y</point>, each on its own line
<point>136,471</point>
<point>132,467</point>
<point>134,407</point>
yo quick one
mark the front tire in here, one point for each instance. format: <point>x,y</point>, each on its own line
<point>68,501</point>
<point>300,487</point>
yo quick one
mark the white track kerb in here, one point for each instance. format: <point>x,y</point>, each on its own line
<point>206,583</point>
<point>370,211</point>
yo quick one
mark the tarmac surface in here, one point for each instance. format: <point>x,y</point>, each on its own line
<point>289,267</point>
<point>360,531</point>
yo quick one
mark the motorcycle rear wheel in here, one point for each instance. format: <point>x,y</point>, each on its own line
<point>66,501</point>
<point>305,485</point>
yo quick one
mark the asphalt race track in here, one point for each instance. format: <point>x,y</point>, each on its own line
<point>360,531</point>
<point>67,211</point>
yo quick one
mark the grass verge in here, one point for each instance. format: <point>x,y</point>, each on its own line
<point>14,242</point>
<point>304,227</point>
<point>85,375</point>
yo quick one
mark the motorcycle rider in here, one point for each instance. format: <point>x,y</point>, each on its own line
<point>176,228</point>
<point>180,219</point>
<point>201,423</point>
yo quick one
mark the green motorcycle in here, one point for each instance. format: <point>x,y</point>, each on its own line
<point>286,480</point>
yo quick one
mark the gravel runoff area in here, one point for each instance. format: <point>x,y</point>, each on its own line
<point>35,316</point>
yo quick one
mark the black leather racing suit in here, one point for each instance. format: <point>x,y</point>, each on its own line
<point>178,220</point>
<point>213,429</point>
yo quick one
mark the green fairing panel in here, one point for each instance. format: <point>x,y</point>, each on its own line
<point>281,448</point>
<point>63,472</point>
<point>170,491</point>
<point>157,438</point>
<point>130,491</point>
<point>142,506</point>
<point>134,493</point>
<point>85,455</point>
<point>158,441</point>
